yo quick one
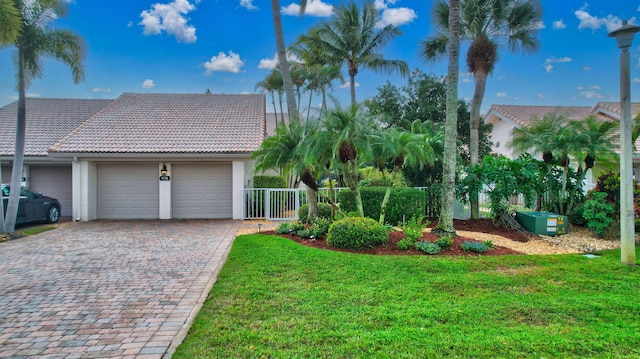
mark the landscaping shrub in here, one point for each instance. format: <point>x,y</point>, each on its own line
<point>356,233</point>
<point>289,227</point>
<point>319,227</point>
<point>373,177</point>
<point>598,213</point>
<point>269,182</point>
<point>404,203</point>
<point>324,211</point>
<point>478,247</point>
<point>404,244</point>
<point>427,247</point>
<point>576,216</point>
<point>413,228</point>
<point>444,242</point>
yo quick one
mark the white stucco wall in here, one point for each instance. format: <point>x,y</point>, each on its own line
<point>238,176</point>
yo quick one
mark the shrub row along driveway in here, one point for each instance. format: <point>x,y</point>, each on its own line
<point>107,289</point>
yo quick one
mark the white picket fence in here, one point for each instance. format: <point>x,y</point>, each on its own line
<point>282,204</point>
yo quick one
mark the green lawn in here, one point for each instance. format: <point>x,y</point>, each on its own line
<point>278,299</point>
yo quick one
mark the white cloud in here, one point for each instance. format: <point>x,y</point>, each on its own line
<point>248,4</point>
<point>587,68</point>
<point>541,96</point>
<point>148,84</point>
<point>347,85</point>
<point>393,16</point>
<point>171,19</point>
<point>589,94</point>
<point>272,63</point>
<point>315,8</point>
<point>636,80</point>
<point>502,94</point>
<point>588,21</point>
<point>28,94</point>
<point>396,17</point>
<point>559,25</point>
<point>552,60</point>
<point>100,90</point>
<point>224,63</point>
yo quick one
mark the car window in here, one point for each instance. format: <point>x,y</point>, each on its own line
<point>25,192</point>
<point>5,191</point>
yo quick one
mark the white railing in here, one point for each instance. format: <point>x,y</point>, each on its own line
<point>280,204</point>
<point>284,203</point>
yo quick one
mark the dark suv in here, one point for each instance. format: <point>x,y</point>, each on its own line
<point>34,207</point>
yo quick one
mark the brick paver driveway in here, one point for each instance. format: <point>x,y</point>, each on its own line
<point>107,289</point>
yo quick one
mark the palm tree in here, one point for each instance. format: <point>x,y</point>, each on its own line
<point>10,22</point>
<point>403,148</point>
<point>283,63</point>
<point>269,86</point>
<point>556,137</point>
<point>484,23</point>
<point>37,40</point>
<point>445,221</point>
<point>352,39</point>
<point>282,152</point>
<point>347,132</point>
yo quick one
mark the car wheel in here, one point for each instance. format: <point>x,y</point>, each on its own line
<point>54,214</point>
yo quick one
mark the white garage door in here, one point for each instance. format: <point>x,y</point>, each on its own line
<point>53,181</point>
<point>127,191</point>
<point>201,191</point>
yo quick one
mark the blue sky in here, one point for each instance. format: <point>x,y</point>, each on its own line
<point>227,46</point>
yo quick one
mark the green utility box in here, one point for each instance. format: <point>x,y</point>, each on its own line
<point>545,223</point>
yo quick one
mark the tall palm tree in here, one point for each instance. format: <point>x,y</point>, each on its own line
<point>281,48</point>
<point>403,148</point>
<point>10,22</point>
<point>38,40</point>
<point>484,23</point>
<point>445,221</point>
<point>269,86</point>
<point>351,38</point>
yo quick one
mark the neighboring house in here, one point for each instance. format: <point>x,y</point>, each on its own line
<point>204,141</point>
<point>48,121</point>
<point>505,118</point>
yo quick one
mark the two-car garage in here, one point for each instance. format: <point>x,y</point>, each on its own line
<point>131,191</point>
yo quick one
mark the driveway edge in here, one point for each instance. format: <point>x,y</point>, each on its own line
<point>223,252</point>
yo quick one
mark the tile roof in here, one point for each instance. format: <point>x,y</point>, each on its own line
<point>48,121</point>
<point>614,107</point>
<point>525,115</point>
<point>172,123</point>
<point>272,120</point>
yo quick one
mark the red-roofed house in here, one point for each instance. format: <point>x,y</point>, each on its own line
<point>49,120</point>
<point>117,155</point>
<point>505,118</point>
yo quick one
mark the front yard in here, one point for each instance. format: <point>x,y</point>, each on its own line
<point>275,298</point>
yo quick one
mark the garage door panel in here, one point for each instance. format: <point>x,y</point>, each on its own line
<point>53,181</point>
<point>128,191</point>
<point>202,191</point>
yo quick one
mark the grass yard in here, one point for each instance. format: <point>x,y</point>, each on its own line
<point>277,299</point>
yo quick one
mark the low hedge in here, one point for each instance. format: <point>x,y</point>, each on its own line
<point>269,182</point>
<point>324,211</point>
<point>404,203</point>
<point>357,233</point>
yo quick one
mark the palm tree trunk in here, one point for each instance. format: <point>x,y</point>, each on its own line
<point>18,160</point>
<point>312,198</point>
<point>324,98</point>
<point>281,109</point>
<point>474,136</point>
<point>387,195</point>
<point>275,110</point>
<point>309,108</point>
<point>353,89</point>
<point>282,60</point>
<point>445,222</point>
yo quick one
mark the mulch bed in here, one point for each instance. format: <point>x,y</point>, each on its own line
<point>480,225</point>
